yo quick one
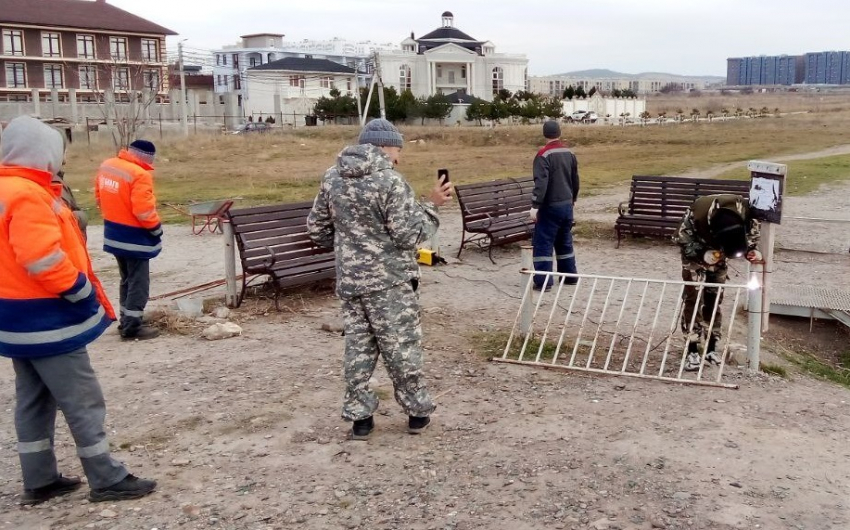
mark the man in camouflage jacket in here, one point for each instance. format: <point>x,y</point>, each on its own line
<point>714,229</point>
<point>369,214</point>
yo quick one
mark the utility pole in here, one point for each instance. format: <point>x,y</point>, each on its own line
<point>184,104</point>
<point>381,101</point>
<point>357,95</point>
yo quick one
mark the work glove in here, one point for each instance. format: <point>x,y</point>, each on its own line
<point>754,256</point>
<point>532,215</point>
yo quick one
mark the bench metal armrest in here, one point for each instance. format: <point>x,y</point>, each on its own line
<point>623,208</point>
<point>269,261</point>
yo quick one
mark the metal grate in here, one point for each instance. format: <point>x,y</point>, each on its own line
<point>618,326</point>
<point>812,298</point>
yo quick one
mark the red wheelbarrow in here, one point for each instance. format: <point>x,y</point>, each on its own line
<point>206,215</point>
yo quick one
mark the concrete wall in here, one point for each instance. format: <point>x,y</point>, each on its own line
<point>606,106</point>
<point>206,106</point>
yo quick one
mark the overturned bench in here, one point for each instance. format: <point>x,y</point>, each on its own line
<point>495,213</point>
<point>273,241</point>
<point>657,204</point>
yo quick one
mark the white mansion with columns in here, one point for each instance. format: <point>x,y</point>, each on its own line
<point>448,61</point>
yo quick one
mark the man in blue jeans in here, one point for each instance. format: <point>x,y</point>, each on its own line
<point>556,186</point>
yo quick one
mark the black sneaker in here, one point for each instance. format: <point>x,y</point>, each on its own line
<point>62,486</point>
<point>143,333</point>
<point>362,428</point>
<point>417,425</point>
<point>540,287</point>
<point>132,487</point>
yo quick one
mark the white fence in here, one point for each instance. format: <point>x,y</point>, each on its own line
<point>629,327</point>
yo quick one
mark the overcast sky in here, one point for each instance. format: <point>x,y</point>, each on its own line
<point>691,37</point>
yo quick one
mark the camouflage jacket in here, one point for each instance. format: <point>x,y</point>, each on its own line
<point>694,237</point>
<point>369,214</point>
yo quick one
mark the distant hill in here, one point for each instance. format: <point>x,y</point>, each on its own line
<point>605,73</point>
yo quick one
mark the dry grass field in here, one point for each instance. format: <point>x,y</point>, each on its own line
<point>287,166</point>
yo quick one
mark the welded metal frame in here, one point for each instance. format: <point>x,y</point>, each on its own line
<point>570,337</point>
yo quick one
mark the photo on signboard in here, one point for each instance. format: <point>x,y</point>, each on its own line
<point>766,197</point>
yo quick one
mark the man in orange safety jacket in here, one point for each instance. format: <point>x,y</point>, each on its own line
<point>132,231</point>
<point>51,307</point>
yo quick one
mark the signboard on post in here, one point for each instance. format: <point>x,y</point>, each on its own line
<point>767,186</point>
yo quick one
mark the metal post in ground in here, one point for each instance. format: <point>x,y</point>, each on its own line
<point>527,306</point>
<point>229,263</point>
<point>754,317</point>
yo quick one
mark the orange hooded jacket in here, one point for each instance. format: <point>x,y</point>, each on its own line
<point>124,192</point>
<point>51,302</point>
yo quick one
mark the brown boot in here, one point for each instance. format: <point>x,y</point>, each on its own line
<point>143,333</point>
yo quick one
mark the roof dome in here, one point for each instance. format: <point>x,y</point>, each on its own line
<point>448,32</point>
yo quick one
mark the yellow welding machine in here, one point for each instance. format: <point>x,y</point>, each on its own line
<point>426,256</point>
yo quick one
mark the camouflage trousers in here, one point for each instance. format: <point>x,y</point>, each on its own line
<point>698,272</point>
<point>386,324</point>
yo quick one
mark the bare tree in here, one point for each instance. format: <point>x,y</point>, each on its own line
<point>125,93</point>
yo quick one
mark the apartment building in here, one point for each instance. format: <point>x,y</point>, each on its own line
<point>79,48</point>
<point>232,63</point>
<point>765,70</point>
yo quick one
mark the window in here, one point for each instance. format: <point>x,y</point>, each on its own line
<point>224,60</point>
<point>296,80</point>
<point>237,82</point>
<point>252,61</point>
<point>498,79</point>
<point>463,72</point>
<point>348,85</point>
<point>13,42</point>
<point>85,46</point>
<point>439,71</point>
<point>227,81</point>
<point>53,76</point>
<point>404,78</point>
<point>326,82</point>
<point>121,79</point>
<point>16,75</point>
<point>51,45</point>
<point>118,48</point>
<point>217,60</point>
<point>152,81</point>
<point>150,51</point>
<point>451,77</point>
<point>88,78</point>
<point>235,60</point>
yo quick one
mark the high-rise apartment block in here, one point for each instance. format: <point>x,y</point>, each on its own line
<point>818,68</point>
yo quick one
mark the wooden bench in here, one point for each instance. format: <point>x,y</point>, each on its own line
<point>273,241</point>
<point>495,212</point>
<point>657,204</point>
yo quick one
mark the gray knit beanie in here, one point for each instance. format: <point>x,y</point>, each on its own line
<point>551,130</point>
<point>382,134</point>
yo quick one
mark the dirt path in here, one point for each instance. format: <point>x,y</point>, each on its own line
<point>245,433</point>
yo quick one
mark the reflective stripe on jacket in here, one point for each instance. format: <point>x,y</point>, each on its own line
<point>124,192</point>
<point>51,302</point>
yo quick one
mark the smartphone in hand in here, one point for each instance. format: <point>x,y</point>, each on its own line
<point>443,173</point>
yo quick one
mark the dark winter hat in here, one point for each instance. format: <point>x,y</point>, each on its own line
<point>143,149</point>
<point>729,232</point>
<point>382,134</point>
<point>551,130</point>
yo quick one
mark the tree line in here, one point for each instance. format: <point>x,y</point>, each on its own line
<point>522,105</point>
